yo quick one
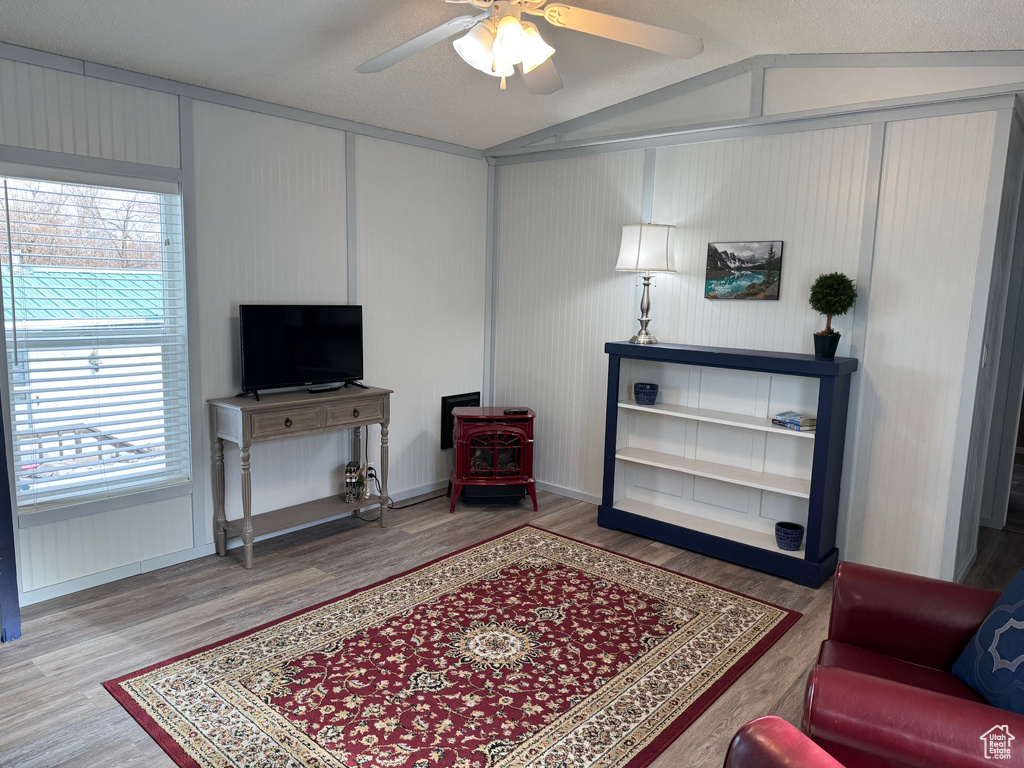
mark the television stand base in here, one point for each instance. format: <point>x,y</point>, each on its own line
<point>355,384</point>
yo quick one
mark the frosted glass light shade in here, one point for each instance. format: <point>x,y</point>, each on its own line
<point>476,49</point>
<point>647,248</point>
<point>510,42</point>
<point>537,51</point>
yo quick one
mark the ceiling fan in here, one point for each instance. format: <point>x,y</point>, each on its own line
<point>498,41</point>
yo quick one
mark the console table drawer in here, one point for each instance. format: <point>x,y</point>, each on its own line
<point>357,411</point>
<point>285,422</point>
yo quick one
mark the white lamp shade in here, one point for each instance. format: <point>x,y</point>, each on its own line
<point>510,42</point>
<point>537,52</point>
<point>647,248</point>
<point>476,49</point>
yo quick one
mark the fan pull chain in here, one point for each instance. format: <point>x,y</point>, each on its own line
<point>503,83</point>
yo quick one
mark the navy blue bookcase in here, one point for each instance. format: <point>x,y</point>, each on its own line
<point>819,555</point>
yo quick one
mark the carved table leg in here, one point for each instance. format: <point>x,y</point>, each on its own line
<point>220,522</point>
<point>383,474</point>
<point>247,534</point>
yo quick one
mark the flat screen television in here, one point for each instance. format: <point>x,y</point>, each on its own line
<point>286,345</point>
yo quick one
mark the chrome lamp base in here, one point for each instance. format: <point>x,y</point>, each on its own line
<point>644,336</point>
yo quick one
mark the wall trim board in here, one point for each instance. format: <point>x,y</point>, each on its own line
<point>77,585</point>
<point>637,102</point>
<point>757,90</point>
<point>177,558</point>
<point>974,364</point>
<point>186,137</point>
<point>235,542</point>
<point>103,72</point>
<point>351,257</point>
<point>964,569</point>
<point>908,59</point>
<point>151,82</point>
<point>490,287</point>
<point>756,65</point>
<point>182,556</point>
<point>861,316</point>
<point>568,493</point>
<point>647,204</point>
<point>975,100</point>
<point>59,514</point>
<point>83,163</point>
<point>41,58</point>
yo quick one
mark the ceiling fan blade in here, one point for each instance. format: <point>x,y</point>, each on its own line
<point>667,41</point>
<point>542,80</point>
<point>418,43</point>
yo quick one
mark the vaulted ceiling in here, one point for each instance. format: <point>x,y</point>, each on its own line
<point>304,53</point>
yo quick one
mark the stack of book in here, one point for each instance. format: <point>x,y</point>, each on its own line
<point>794,420</point>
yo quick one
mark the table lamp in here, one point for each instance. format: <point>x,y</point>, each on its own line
<point>646,248</point>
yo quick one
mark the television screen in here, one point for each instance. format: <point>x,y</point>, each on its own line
<point>300,345</point>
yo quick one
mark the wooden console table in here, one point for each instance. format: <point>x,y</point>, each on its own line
<point>245,421</point>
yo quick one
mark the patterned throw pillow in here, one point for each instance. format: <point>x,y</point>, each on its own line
<point>993,662</point>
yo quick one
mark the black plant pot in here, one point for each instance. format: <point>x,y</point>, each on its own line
<point>825,346</point>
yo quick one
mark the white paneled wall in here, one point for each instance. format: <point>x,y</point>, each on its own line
<point>43,108</point>
<point>796,89</point>
<point>72,549</point>
<point>270,226</point>
<point>559,301</point>
<point>935,180</point>
<point>725,100</point>
<point>420,243</point>
<point>806,189</point>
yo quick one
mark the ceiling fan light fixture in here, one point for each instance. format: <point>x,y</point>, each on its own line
<point>537,51</point>
<point>510,41</point>
<point>476,48</point>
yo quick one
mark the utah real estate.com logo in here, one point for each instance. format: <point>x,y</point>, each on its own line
<point>997,742</point>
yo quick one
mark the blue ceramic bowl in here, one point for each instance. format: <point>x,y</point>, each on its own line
<point>789,536</point>
<point>644,393</point>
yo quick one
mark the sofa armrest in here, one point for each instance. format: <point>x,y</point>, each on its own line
<point>853,715</point>
<point>913,618</point>
<point>771,742</point>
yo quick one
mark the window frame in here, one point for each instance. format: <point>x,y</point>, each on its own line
<point>172,183</point>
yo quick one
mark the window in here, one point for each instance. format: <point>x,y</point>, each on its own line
<point>94,309</point>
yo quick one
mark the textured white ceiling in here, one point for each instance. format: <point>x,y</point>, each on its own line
<point>303,53</point>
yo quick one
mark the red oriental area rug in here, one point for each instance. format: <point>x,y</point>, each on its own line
<point>530,649</point>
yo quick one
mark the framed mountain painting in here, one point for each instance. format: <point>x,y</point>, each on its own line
<point>744,270</point>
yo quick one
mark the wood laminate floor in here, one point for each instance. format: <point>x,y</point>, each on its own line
<point>54,712</point>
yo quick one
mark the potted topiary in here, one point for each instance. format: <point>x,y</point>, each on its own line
<point>832,295</point>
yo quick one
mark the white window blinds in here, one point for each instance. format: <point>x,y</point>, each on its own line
<point>94,308</point>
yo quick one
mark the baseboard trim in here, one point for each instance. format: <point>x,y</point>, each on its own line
<point>578,495</point>
<point>99,578</point>
<point>63,588</point>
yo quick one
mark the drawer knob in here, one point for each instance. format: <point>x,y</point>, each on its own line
<point>287,422</point>
<point>355,413</point>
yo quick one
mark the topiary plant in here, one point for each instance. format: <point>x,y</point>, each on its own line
<point>832,295</point>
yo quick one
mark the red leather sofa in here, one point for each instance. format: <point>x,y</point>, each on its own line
<point>882,694</point>
<point>771,742</point>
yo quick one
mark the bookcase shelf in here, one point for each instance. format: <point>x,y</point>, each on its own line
<point>718,417</point>
<point>791,486</point>
<point>669,470</point>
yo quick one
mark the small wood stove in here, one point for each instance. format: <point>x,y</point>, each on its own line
<point>493,447</point>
